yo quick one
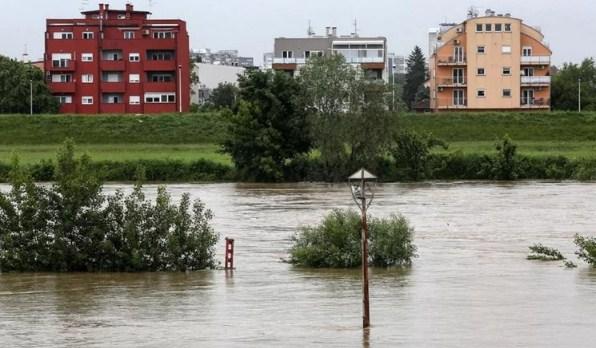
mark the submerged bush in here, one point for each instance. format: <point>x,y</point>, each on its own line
<point>73,226</point>
<point>587,249</point>
<point>336,243</point>
<point>543,253</point>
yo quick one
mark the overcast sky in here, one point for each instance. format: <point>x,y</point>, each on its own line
<point>250,25</point>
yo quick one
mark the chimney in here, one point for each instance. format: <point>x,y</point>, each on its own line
<point>107,7</point>
<point>129,8</point>
<point>328,31</point>
<point>334,31</point>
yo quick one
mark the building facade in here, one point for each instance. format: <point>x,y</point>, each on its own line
<point>210,77</point>
<point>118,61</point>
<point>366,53</point>
<point>222,57</point>
<point>493,62</point>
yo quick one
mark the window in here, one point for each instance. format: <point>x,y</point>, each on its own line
<point>88,35</point>
<point>134,57</point>
<point>506,93</point>
<point>480,50</point>
<point>111,77</point>
<point>528,72</point>
<point>527,51</point>
<point>480,72</point>
<point>134,78</point>
<point>287,54</point>
<point>488,27</point>
<point>87,100</point>
<point>111,55</point>
<point>155,98</point>
<point>64,99</point>
<point>160,55</point>
<point>134,100</point>
<point>121,16</point>
<point>506,49</point>
<point>87,57</point>
<point>63,36</point>
<point>163,35</point>
<point>112,98</point>
<point>61,78</point>
<point>479,28</point>
<point>481,93</point>
<point>129,35</point>
<point>459,98</point>
<point>161,77</point>
<point>87,78</point>
<point>499,27</point>
<point>508,27</point>
<point>506,71</point>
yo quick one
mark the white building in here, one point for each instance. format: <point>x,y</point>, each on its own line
<point>210,76</point>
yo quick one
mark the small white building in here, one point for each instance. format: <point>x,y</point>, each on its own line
<point>210,76</point>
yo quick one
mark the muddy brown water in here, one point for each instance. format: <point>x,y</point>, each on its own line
<point>471,285</point>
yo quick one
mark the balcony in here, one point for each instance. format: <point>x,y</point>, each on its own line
<point>113,108</point>
<point>451,104</point>
<point>62,87</point>
<point>451,82</point>
<point>113,87</point>
<point>112,65</point>
<point>535,103</point>
<point>160,65</point>
<point>160,87</point>
<point>63,65</point>
<point>365,60</point>
<point>535,81</point>
<point>289,61</point>
<point>451,61</point>
<point>162,44</point>
<point>535,60</point>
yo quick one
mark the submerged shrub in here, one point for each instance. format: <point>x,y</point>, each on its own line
<point>543,253</point>
<point>73,226</point>
<point>336,242</point>
<point>587,249</point>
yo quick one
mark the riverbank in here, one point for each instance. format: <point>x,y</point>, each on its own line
<point>182,148</point>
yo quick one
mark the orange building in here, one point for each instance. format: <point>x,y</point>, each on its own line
<point>494,62</point>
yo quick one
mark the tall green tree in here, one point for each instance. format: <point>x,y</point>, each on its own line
<point>224,96</point>
<point>270,128</point>
<point>565,86</point>
<point>15,80</point>
<point>349,118</point>
<point>416,74</point>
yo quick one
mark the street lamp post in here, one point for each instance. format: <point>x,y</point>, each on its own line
<point>579,94</point>
<point>361,185</point>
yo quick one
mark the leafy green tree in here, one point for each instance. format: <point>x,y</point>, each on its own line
<point>270,128</point>
<point>15,92</point>
<point>416,74</point>
<point>587,249</point>
<point>224,96</point>
<point>565,86</point>
<point>349,119</point>
<point>412,152</point>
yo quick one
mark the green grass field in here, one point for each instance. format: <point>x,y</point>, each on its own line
<point>192,137</point>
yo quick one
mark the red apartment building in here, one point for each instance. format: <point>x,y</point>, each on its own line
<point>118,61</point>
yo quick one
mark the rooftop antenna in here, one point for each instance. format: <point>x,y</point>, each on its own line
<point>472,12</point>
<point>355,33</point>
<point>310,32</point>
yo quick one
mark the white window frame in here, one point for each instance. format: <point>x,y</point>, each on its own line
<point>500,25</point>
<point>87,78</point>
<point>506,49</point>
<point>64,99</point>
<point>481,91</point>
<point>134,78</point>
<point>88,35</point>
<point>505,73</point>
<point>134,100</point>
<point>128,35</point>
<point>86,57</point>
<point>505,90</point>
<point>479,26</point>
<point>528,49</point>
<point>488,27</point>
<point>134,57</point>
<point>160,98</point>
<point>480,74</point>
<point>287,54</point>
<point>63,35</point>
<point>87,100</point>
<point>507,27</point>
<point>478,48</point>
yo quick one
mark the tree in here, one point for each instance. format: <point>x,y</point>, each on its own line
<point>565,86</point>
<point>349,119</point>
<point>15,92</point>
<point>224,96</point>
<point>412,154</point>
<point>415,77</point>
<point>270,128</point>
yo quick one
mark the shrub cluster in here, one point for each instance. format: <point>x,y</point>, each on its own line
<point>72,226</point>
<point>336,242</point>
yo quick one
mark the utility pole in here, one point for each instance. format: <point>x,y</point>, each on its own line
<point>579,94</point>
<point>26,59</point>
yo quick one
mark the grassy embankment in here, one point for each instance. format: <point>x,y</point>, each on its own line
<point>192,137</point>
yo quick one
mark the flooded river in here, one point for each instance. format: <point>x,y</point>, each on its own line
<point>471,285</point>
